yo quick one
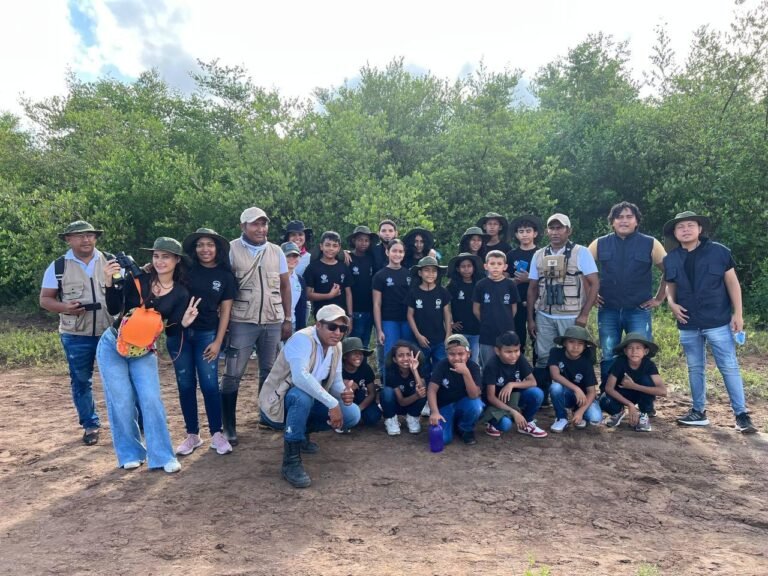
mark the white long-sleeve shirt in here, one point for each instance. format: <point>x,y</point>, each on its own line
<point>308,378</point>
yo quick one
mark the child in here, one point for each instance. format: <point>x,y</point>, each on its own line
<point>465,271</point>
<point>494,304</point>
<point>526,229</point>
<point>404,391</point>
<point>387,233</point>
<point>362,241</point>
<point>473,241</point>
<point>573,379</point>
<point>390,290</point>
<point>454,392</point>
<point>296,232</point>
<point>298,286</point>
<point>497,228</point>
<point>358,376</point>
<point>418,244</point>
<point>632,379</point>
<point>429,312</point>
<point>328,280</point>
<point>509,385</point>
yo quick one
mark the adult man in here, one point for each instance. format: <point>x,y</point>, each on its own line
<point>261,311</point>
<point>73,287</point>
<point>305,392</point>
<point>626,259</point>
<point>704,294</point>
<point>562,290</point>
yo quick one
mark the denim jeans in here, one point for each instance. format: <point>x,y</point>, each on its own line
<point>81,353</point>
<point>390,406</point>
<point>242,337</point>
<point>393,331</point>
<point>612,406</point>
<point>304,415</point>
<point>563,398</point>
<point>191,368</point>
<point>362,323</point>
<point>724,350</point>
<point>125,381</point>
<point>529,404</point>
<point>474,346</point>
<point>465,412</point>
<point>431,356</point>
<point>611,323</point>
<point>370,415</point>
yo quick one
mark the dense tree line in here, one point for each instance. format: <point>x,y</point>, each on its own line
<point>142,160</point>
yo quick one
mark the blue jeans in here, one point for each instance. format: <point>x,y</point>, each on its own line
<point>563,398</point>
<point>431,356</point>
<point>125,381</point>
<point>362,323</point>
<point>391,407</point>
<point>81,353</point>
<point>465,412</point>
<point>370,415</point>
<point>529,404</point>
<point>474,346</point>
<point>611,323</point>
<point>304,415</point>
<point>191,367</point>
<point>724,350</point>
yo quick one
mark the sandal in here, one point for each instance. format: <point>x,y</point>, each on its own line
<point>91,437</point>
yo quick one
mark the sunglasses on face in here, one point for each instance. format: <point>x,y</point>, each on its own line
<point>343,328</point>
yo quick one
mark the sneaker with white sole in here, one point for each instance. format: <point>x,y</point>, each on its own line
<point>414,426</point>
<point>644,423</point>
<point>694,418</point>
<point>172,466</point>
<point>581,424</point>
<point>744,424</point>
<point>426,411</point>
<point>392,425</point>
<point>220,444</point>
<point>191,442</point>
<point>492,431</point>
<point>615,419</point>
<point>132,465</point>
<point>532,430</point>
<point>559,425</point>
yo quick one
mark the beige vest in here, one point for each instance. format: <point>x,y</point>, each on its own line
<point>258,298</point>
<point>76,285</point>
<point>279,381</point>
<point>571,282</point>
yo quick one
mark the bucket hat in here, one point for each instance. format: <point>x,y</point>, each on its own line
<point>354,344</point>
<point>363,230</point>
<point>79,227</point>
<point>189,243</point>
<point>504,234</point>
<point>298,226</point>
<point>637,337</point>
<point>575,333</point>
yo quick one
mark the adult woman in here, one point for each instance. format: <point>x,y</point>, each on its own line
<point>131,379</point>
<point>296,232</point>
<point>195,350</point>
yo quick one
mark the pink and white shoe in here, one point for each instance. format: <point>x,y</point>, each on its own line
<point>191,442</point>
<point>220,444</point>
<point>532,430</point>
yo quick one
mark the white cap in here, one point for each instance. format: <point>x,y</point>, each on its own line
<point>252,214</point>
<point>331,312</point>
<point>562,218</point>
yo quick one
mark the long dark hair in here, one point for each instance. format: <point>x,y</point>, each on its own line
<point>222,256</point>
<point>455,278</point>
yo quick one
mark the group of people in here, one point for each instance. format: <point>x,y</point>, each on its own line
<point>455,352</point>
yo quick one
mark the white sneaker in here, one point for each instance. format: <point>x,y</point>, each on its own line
<point>392,425</point>
<point>532,430</point>
<point>581,424</point>
<point>172,466</point>
<point>559,425</point>
<point>220,444</point>
<point>132,465</point>
<point>191,442</point>
<point>426,411</point>
<point>414,426</point>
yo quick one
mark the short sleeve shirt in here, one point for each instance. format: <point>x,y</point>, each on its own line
<point>428,308</point>
<point>620,367</point>
<point>452,385</point>
<point>580,372</point>
<point>495,299</point>
<point>461,307</point>
<point>321,277</point>
<point>393,285</point>
<point>361,270</point>
<point>212,286</point>
<point>363,376</point>
<point>497,373</point>
<point>406,384</point>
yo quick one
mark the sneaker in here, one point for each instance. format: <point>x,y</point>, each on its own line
<point>652,413</point>
<point>172,466</point>
<point>581,424</point>
<point>492,431</point>
<point>532,430</point>
<point>644,424</point>
<point>414,426</point>
<point>694,418</point>
<point>614,420</point>
<point>426,411</point>
<point>744,424</point>
<point>559,425</point>
<point>220,444</point>
<point>191,442</point>
<point>469,438</point>
<point>392,425</point>
<point>254,355</point>
<point>91,436</point>
<point>132,465</point>
<point>343,430</point>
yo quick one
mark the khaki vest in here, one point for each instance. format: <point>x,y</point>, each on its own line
<point>258,299</point>
<point>572,283</point>
<point>279,381</point>
<point>76,285</point>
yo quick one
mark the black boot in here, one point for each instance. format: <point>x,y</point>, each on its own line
<point>293,469</point>
<point>309,447</point>
<point>543,381</point>
<point>228,416</point>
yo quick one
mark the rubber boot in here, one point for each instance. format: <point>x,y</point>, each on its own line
<point>293,469</point>
<point>228,416</point>
<point>543,381</point>
<point>309,447</point>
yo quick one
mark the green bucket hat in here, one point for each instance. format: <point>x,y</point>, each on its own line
<point>454,262</point>
<point>354,344</point>
<point>504,234</point>
<point>189,243</point>
<point>428,261</point>
<point>474,231</point>
<point>79,227</point>
<point>640,338</point>
<point>171,245</point>
<point>363,230</point>
<point>669,227</point>
<point>575,333</point>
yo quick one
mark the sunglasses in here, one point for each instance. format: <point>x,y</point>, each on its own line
<point>343,328</point>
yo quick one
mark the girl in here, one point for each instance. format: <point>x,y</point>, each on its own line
<point>296,232</point>
<point>404,391</point>
<point>132,378</point>
<point>464,272</point>
<point>418,244</point>
<point>473,241</point>
<point>195,350</point>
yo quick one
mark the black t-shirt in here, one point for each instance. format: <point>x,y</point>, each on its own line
<point>406,384</point>
<point>461,307</point>
<point>361,269</point>
<point>321,277</point>
<point>452,385</point>
<point>495,299</point>
<point>428,311</point>
<point>393,285</point>
<point>691,256</point>
<point>124,297</point>
<point>379,254</point>
<point>502,247</point>
<point>362,377</point>
<point>520,255</point>
<point>580,372</point>
<point>497,373</point>
<point>620,367</point>
<point>212,286</point>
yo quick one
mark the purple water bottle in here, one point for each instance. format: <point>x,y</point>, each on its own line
<point>436,438</point>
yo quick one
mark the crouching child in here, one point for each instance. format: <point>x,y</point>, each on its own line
<point>358,376</point>
<point>404,391</point>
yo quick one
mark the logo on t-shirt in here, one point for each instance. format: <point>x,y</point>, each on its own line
<point>419,304</point>
<point>500,380</point>
<point>323,278</point>
<point>486,298</point>
<point>446,383</point>
<point>517,375</point>
<point>461,295</point>
<point>578,378</point>
<point>506,298</point>
<point>216,286</point>
<point>342,278</point>
<point>355,271</point>
<point>390,282</point>
<point>408,280</point>
<point>438,302</point>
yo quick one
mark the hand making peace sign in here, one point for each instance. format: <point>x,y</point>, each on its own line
<point>190,314</point>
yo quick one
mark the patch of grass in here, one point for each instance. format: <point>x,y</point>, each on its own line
<point>21,347</point>
<point>648,570</point>
<point>533,570</point>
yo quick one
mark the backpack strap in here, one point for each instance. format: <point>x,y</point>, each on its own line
<point>58,269</point>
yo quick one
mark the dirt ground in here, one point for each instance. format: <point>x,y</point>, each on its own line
<point>588,502</point>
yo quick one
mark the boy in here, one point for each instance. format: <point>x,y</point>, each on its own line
<point>362,241</point>
<point>387,233</point>
<point>573,379</point>
<point>632,379</point>
<point>497,229</point>
<point>526,230</point>
<point>429,312</point>
<point>453,394</point>
<point>494,304</point>
<point>358,376</point>
<point>328,280</point>
<point>298,286</point>
<point>508,384</point>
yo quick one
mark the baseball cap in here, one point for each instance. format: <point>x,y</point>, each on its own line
<point>457,339</point>
<point>562,218</point>
<point>252,214</point>
<point>331,312</point>
<point>290,248</point>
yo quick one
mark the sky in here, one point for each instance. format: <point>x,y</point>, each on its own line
<point>296,46</point>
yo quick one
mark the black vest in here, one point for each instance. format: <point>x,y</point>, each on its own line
<point>707,300</point>
<point>626,270</point>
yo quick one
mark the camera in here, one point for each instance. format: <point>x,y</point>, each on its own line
<point>128,264</point>
<point>91,307</point>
